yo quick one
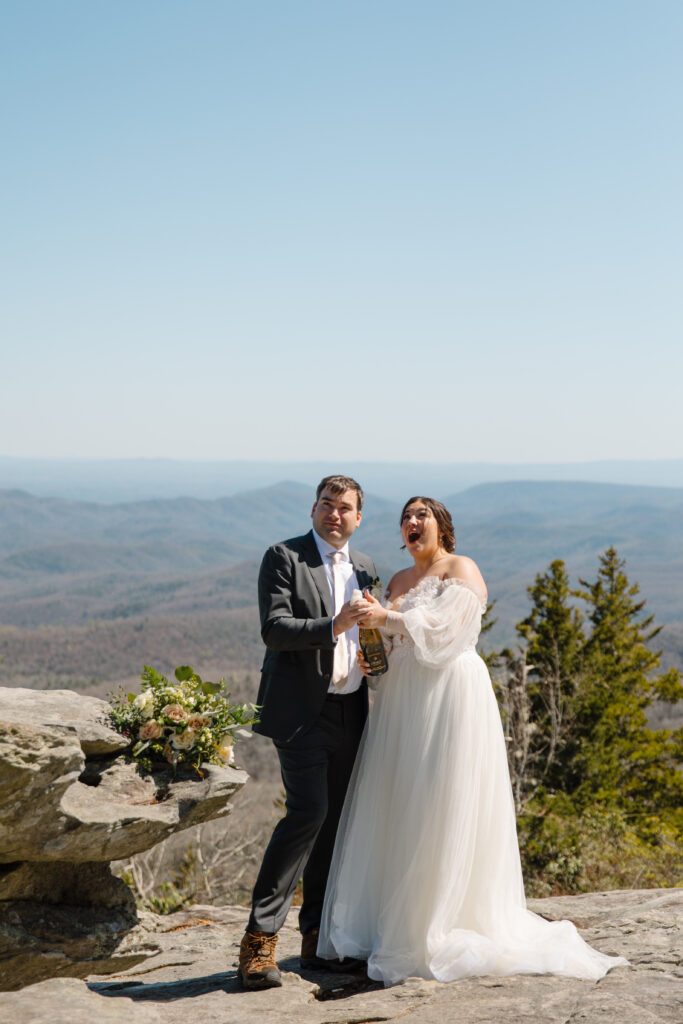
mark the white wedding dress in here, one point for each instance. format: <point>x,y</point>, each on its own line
<point>426,877</point>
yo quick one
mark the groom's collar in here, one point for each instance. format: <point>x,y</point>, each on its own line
<point>325,548</point>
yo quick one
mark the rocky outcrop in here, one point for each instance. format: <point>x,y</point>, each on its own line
<point>62,918</point>
<point>70,802</point>
<point>193,977</point>
<point>66,793</point>
<point>64,710</point>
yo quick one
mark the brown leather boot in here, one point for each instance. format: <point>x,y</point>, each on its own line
<point>309,949</point>
<point>310,960</point>
<point>257,967</point>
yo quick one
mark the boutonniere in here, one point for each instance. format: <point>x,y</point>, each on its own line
<point>376,588</point>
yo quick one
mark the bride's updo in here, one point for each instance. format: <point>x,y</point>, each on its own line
<point>443,519</point>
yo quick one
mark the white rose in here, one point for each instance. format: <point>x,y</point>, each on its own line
<point>145,702</point>
<point>225,753</point>
<point>184,740</point>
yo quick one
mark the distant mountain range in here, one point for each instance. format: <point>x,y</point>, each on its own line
<point>65,563</point>
<point>117,480</point>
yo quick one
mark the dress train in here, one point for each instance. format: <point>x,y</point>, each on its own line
<point>426,877</point>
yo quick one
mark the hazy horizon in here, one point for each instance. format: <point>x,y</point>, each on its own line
<point>115,480</point>
<point>201,460</point>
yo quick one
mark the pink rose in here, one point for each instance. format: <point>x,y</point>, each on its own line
<point>175,712</point>
<point>184,740</point>
<point>197,722</point>
<point>151,730</point>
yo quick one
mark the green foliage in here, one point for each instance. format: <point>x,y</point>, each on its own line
<point>564,851</point>
<point>619,759</point>
<point>550,839</point>
<point>535,685</point>
<point>598,792</point>
<point>553,629</point>
<point>175,893</point>
<point>487,624</point>
<point>167,898</point>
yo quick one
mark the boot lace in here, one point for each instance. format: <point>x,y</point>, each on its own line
<point>260,950</point>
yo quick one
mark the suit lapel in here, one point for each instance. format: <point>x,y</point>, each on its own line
<point>363,575</point>
<point>317,571</point>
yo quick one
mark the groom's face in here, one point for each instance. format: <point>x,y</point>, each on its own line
<point>336,516</point>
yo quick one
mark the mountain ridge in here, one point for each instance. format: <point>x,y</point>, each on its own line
<point>150,575</point>
<point>112,480</point>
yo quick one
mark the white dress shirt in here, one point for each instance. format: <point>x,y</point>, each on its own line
<point>350,638</point>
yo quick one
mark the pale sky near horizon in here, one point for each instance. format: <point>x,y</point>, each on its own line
<point>363,230</point>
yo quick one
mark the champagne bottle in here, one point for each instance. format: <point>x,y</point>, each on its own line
<point>371,645</point>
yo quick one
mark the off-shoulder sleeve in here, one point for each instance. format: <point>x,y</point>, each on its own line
<point>443,626</point>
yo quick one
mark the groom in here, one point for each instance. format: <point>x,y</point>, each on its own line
<point>313,702</point>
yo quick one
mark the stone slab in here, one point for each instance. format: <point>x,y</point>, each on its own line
<point>194,975</point>
<point>68,1001</point>
<point>87,716</point>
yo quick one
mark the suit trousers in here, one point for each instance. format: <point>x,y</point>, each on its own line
<point>316,768</point>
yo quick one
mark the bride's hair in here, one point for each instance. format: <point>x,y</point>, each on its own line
<point>443,520</point>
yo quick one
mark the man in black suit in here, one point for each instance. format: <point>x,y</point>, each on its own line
<point>313,702</point>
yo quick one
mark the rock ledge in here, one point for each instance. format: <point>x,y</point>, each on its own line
<point>71,802</point>
<point>193,977</point>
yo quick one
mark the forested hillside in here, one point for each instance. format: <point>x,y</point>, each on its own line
<point>157,567</point>
<point>86,589</point>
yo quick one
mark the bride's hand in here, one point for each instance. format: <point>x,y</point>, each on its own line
<point>375,615</point>
<point>364,666</point>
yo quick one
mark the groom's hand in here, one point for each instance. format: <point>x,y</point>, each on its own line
<point>348,616</point>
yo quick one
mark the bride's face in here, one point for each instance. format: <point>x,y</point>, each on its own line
<point>419,529</point>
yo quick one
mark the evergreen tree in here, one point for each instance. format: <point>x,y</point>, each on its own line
<point>619,759</point>
<point>598,792</point>
<point>554,655</point>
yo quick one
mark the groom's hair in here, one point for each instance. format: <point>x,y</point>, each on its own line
<point>338,484</point>
<point>443,519</point>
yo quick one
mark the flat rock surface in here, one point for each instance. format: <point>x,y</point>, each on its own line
<point>68,1001</point>
<point>125,810</point>
<point>193,977</point>
<point>87,716</point>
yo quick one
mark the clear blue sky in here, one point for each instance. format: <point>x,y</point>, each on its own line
<point>380,230</point>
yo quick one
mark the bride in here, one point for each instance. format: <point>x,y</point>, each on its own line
<point>426,877</point>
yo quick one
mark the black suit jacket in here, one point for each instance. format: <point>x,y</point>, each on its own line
<point>296,612</point>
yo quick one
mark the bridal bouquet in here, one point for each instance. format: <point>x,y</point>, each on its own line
<point>186,720</point>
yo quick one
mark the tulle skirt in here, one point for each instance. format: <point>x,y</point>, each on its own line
<point>426,878</point>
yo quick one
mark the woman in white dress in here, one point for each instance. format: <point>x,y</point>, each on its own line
<point>426,877</point>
